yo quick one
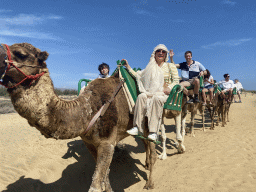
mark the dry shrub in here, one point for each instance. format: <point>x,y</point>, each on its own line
<point>6,107</point>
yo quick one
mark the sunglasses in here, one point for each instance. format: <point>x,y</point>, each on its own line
<point>159,50</point>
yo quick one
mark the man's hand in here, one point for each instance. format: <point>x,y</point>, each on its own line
<point>171,53</point>
<point>201,73</point>
<point>126,63</point>
<point>167,90</point>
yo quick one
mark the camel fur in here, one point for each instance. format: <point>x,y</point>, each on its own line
<point>36,101</point>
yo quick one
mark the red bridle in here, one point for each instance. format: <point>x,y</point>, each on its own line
<point>32,77</point>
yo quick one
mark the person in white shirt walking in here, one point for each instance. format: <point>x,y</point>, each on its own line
<point>239,87</point>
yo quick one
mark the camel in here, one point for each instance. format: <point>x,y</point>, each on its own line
<point>192,108</point>
<point>217,104</point>
<point>180,119</point>
<point>223,110</point>
<point>227,108</point>
<point>32,94</point>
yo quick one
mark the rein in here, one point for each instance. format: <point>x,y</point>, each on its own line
<point>103,109</point>
<point>11,64</point>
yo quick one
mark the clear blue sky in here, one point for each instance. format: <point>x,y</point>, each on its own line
<point>80,34</point>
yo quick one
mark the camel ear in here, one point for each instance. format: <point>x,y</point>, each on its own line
<point>43,56</point>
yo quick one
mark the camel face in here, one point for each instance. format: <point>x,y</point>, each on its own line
<point>27,58</point>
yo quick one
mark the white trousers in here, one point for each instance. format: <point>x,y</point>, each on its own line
<point>154,112</point>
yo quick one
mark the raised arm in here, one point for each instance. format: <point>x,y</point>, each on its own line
<point>171,53</point>
<point>134,73</point>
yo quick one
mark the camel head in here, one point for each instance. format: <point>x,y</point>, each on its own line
<point>20,64</point>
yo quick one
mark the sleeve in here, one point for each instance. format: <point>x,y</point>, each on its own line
<point>174,75</point>
<point>233,84</point>
<point>132,72</point>
<point>201,67</point>
<point>181,65</point>
<point>241,86</point>
<point>211,79</point>
<point>220,84</point>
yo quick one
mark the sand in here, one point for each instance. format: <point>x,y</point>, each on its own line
<point>223,159</point>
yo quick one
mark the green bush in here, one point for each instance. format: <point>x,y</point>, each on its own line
<point>6,107</point>
<point>3,92</point>
<point>65,92</point>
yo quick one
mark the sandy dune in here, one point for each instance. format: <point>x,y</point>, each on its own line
<point>223,159</point>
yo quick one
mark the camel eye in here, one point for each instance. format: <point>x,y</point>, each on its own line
<point>20,54</point>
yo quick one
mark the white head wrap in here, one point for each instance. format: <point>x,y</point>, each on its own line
<point>151,79</point>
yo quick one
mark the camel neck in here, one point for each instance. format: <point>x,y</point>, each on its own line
<point>46,111</point>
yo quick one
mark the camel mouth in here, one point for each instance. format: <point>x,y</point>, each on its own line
<point>3,64</point>
<point>6,79</point>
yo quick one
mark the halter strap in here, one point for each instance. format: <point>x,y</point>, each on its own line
<point>11,63</point>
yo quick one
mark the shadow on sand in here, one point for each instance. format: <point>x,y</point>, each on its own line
<point>78,176</point>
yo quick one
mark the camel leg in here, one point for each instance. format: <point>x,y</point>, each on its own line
<point>212,117</point>
<point>192,131</point>
<point>105,153</point>
<point>179,137</point>
<point>203,109</point>
<point>223,116</point>
<point>183,125</point>
<point>227,112</point>
<point>218,117</point>
<point>183,121</point>
<point>192,134</point>
<point>93,152</point>
<point>152,160</point>
<point>147,149</point>
<point>163,155</point>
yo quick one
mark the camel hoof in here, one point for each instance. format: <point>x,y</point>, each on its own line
<point>187,130</point>
<point>106,186</point>
<point>147,167</point>
<point>149,185</point>
<point>181,148</point>
<point>162,156</point>
<point>92,189</point>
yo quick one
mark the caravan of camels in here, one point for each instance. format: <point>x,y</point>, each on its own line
<point>25,75</point>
